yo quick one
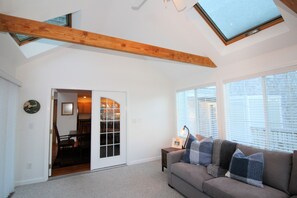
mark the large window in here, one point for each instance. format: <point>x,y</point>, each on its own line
<point>233,20</point>
<point>197,108</point>
<point>64,20</point>
<point>263,111</point>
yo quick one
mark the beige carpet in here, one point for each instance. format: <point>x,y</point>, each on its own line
<point>141,180</point>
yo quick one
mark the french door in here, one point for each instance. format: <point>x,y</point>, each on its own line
<point>108,138</point>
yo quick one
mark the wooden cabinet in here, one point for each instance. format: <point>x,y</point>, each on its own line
<point>84,107</point>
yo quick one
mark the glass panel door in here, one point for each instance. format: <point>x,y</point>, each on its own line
<point>108,129</point>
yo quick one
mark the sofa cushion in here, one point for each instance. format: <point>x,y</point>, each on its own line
<point>293,181</point>
<point>248,169</point>
<point>199,152</point>
<point>223,187</point>
<point>227,150</point>
<point>216,151</point>
<point>216,171</point>
<point>277,167</point>
<point>193,174</point>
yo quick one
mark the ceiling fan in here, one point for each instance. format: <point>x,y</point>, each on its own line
<point>180,5</point>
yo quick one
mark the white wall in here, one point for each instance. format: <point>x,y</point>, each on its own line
<point>66,123</point>
<point>280,60</point>
<point>150,103</point>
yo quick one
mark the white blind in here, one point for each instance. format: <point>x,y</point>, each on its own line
<point>186,111</point>
<point>8,114</point>
<point>197,108</point>
<point>262,111</point>
<point>281,92</point>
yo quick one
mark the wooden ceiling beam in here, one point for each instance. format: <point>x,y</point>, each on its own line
<point>292,4</point>
<point>43,30</point>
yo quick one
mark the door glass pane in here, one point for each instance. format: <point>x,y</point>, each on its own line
<point>103,139</point>
<point>117,138</point>
<point>116,150</point>
<point>102,151</point>
<point>110,138</point>
<point>109,151</point>
<point>110,115</point>
<point>117,126</point>
<point>110,126</point>
<point>103,127</point>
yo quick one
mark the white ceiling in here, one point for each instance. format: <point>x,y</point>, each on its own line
<point>153,24</point>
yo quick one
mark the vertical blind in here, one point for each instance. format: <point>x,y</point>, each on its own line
<point>197,108</point>
<point>8,113</point>
<point>263,111</point>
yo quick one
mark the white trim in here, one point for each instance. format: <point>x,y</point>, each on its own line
<point>287,68</point>
<point>197,87</point>
<point>144,160</point>
<point>10,78</point>
<point>30,181</point>
<point>220,94</point>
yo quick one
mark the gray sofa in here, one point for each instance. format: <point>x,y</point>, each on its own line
<point>279,178</point>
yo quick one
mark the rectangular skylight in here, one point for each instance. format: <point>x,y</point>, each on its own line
<point>64,20</point>
<point>232,18</point>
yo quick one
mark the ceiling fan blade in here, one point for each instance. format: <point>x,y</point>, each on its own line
<point>138,4</point>
<point>179,5</point>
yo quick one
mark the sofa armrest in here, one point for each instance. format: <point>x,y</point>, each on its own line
<point>173,157</point>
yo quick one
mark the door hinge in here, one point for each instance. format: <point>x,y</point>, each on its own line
<point>51,131</point>
<point>50,166</point>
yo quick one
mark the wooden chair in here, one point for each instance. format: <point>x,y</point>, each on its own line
<point>84,145</point>
<point>64,142</point>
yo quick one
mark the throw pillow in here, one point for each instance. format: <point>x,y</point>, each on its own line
<point>189,140</point>
<point>199,137</point>
<point>248,169</point>
<point>199,152</point>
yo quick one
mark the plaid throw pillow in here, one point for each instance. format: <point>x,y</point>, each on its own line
<point>248,169</point>
<point>198,152</point>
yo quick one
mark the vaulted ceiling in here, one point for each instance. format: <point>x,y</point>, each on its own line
<point>152,24</point>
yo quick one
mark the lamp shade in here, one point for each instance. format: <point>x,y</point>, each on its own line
<point>179,4</point>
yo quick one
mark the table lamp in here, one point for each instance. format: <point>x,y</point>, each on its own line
<point>183,132</point>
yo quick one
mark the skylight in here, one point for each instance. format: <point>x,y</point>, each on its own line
<point>64,20</point>
<point>233,19</point>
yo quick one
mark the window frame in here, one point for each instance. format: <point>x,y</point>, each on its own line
<point>238,37</point>
<point>197,121</point>
<point>31,38</point>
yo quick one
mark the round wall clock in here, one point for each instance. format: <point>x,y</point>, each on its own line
<point>31,106</point>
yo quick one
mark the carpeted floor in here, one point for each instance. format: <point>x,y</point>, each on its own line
<point>142,180</point>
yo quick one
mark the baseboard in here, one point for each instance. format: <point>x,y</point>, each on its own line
<point>30,181</point>
<point>144,160</point>
<point>38,180</point>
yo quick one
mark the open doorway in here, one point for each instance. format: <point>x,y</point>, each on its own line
<point>71,131</point>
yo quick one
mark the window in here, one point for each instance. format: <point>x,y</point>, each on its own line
<point>233,20</point>
<point>61,21</point>
<point>263,111</point>
<point>197,108</point>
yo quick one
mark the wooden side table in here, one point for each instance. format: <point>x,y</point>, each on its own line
<point>164,152</point>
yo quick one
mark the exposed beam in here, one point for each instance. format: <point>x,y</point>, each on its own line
<point>43,30</point>
<point>292,4</point>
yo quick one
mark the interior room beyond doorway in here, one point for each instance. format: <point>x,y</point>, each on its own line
<point>71,140</point>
